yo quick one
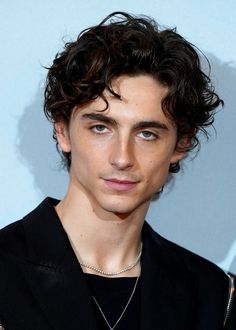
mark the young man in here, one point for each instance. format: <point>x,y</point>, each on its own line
<point>127,101</point>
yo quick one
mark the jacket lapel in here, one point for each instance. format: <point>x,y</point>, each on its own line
<point>167,287</point>
<point>53,272</point>
<point>57,282</point>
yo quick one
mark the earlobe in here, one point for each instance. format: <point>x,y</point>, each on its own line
<point>181,150</point>
<point>177,156</point>
<point>62,135</point>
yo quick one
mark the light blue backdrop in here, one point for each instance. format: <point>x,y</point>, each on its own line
<point>199,213</point>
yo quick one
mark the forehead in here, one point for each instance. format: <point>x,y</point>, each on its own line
<point>140,98</point>
<point>138,88</point>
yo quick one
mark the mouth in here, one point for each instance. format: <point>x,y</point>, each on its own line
<point>120,185</point>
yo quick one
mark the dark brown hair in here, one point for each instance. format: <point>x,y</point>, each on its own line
<point>125,44</point>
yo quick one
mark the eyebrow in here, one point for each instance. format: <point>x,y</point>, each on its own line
<point>152,123</point>
<point>99,117</point>
<point>112,121</point>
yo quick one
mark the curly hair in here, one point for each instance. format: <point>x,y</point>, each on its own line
<point>123,44</point>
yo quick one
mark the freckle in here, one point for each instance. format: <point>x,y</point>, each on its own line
<point>81,235</point>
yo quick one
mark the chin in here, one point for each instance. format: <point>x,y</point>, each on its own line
<point>123,207</point>
<point>118,209</point>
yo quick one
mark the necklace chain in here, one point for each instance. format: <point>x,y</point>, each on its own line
<point>101,271</point>
<point>122,313</point>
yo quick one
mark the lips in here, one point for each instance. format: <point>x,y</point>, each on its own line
<point>120,185</point>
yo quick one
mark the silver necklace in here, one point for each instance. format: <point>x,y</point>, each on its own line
<point>122,313</point>
<point>101,271</point>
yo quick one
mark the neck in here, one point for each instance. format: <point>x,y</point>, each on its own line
<point>103,239</point>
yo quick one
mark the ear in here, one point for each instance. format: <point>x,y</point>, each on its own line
<point>180,148</point>
<point>62,134</point>
<point>177,156</point>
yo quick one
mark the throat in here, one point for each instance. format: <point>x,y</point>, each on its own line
<point>106,247</point>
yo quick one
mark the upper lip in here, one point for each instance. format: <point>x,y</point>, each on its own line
<point>120,180</point>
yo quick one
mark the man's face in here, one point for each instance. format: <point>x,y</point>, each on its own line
<point>120,157</point>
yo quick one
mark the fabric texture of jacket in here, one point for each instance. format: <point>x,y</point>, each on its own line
<point>42,285</point>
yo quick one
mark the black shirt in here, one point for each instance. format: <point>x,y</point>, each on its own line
<point>112,295</point>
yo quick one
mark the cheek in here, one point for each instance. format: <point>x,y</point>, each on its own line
<point>158,162</point>
<point>86,160</point>
<point>157,170</point>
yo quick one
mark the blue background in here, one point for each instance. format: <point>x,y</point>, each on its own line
<point>198,209</point>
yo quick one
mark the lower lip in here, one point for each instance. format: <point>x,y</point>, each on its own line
<point>120,186</point>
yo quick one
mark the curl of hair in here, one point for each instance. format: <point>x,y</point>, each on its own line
<point>123,44</point>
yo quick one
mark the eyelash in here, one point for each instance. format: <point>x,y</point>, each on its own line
<point>153,136</point>
<point>94,127</point>
<point>94,130</point>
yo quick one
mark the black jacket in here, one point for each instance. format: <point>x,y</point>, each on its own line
<point>42,285</point>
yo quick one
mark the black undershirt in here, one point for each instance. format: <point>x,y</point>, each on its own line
<point>112,295</point>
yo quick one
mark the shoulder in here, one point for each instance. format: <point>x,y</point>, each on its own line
<point>209,276</point>
<point>193,261</point>
<point>190,260</point>
<point>12,256</point>
<point>211,284</point>
<point>19,238</point>
<point>14,238</point>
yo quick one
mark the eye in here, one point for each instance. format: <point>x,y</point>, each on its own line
<point>148,136</point>
<point>99,129</point>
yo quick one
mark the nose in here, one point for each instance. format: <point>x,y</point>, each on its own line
<point>122,154</point>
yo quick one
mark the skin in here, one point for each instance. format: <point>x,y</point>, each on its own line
<point>120,158</point>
